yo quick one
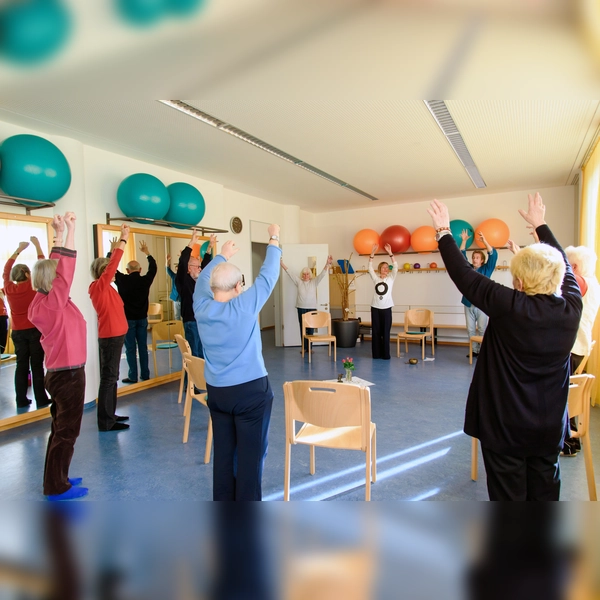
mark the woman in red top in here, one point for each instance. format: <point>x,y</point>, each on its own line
<point>3,323</point>
<point>64,341</point>
<point>112,327</point>
<point>25,337</point>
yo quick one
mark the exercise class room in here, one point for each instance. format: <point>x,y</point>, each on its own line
<point>373,330</point>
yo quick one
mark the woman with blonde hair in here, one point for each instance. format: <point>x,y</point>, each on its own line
<point>517,402</point>
<point>64,341</point>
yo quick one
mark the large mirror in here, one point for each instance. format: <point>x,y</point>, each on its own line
<point>15,229</point>
<point>165,361</point>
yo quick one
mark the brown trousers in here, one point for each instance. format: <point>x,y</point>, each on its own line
<point>67,389</point>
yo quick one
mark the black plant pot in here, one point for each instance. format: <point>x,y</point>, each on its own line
<point>345,332</point>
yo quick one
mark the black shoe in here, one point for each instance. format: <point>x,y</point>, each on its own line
<point>117,427</point>
<point>475,355</point>
<point>568,450</point>
<point>121,418</point>
<point>43,404</point>
<point>144,378</point>
<point>24,404</point>
<point>127,380</point>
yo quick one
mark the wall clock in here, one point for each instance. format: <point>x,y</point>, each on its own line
<point>236,225</point>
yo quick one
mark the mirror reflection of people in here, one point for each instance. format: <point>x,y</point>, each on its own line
<point>188,270</point>
<point>25,336</point>
<point>112,327</point>
<point>517,402</point>
<point>134,289</point>
<point>306,298</point>
<point>3,323</point>
<point>239,394</point>
<point>174,295</point>
<point>476,319</point>
<point>382,303</point>
<point>64,341</point>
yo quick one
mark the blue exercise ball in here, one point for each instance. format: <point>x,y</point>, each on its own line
<point>32,167</point>
<point>143,12</point>
<point>187,205</point>
<point>33,31</point>
<point>144,197</point>
<point>456,228</point>
<point>183,8</point>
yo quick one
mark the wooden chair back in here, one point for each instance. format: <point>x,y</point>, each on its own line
<point>418,317</point>
<point>155,313</point>
<point>583,363</point>
<point>316,320</point>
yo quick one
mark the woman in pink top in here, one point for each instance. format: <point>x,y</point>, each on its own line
<point>64,341</point>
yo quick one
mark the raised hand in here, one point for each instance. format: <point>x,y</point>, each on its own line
<point>70,219</point>
<point>213,241</point>
<point>144,248</point>
<point>388,248</point>
<point>514,248</point>
<point>195,239</point>
<point>329,260</point>
<point>533,234</point>
<point>125,231</point>
<point>464,235</point>
<point>35,241</point>
<point>536,211</point>
<point>229,248</point>
<point>22,246</point>
<point>58,224</point>
<point>274,230</point>
<point>114,242</point>
<point>374,248</point>
<point>439,214</point>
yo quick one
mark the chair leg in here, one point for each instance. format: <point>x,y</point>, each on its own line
<point>589,467</point>
<point>286,473</point>
<point>374,456</point>
<point>432,346</point>
<point>398,347</point>
<point>155,368</point>
<point>312,460</point>
<point>181,386</point>
<point>334,351</point>
<point>474,458</point>
<point>309,351</point>
<point>422,348</point>
<point>209,439</point>
<point>302,344</point>
<point>405,346</point>
<point>368,473</point>
<point>470,351</point>
<point>188,415</point>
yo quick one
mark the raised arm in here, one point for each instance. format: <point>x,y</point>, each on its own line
<point>485,242</point>
<point>370,268</point>
<point>324,271</point>
<point>11,261</point>
<point>464,236</point>
<point>38,248</point>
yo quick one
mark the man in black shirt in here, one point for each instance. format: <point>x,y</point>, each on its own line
<point>188,269</point>
<point>134,289</point>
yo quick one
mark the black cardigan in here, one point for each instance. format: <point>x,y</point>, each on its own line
<point>517,403</point>
<point>134,289</point>
<point>186,284</point>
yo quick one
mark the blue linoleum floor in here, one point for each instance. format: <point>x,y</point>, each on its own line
<point>421,450</point>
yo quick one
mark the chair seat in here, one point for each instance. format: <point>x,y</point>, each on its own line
<point>320,338</point>
<point>343,438</point>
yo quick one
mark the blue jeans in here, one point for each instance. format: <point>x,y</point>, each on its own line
<point>137,334</point>
<point>193,338</point>
<point>475,318</point>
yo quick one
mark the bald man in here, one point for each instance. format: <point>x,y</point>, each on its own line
<point>134,289</point>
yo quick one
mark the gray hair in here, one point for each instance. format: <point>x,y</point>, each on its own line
<point>540,267</point>
<point>98,267</point>
<point>306,270</point>
<point>19,273</point>
<point>225,277</point>
<point>585,259</point>
<point>44,273</point>
<point>134,266</point>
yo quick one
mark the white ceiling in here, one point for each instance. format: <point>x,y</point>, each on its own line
<point>336,85</point>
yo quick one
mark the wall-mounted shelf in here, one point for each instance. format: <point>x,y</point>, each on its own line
<point>24,203</point>
<point>145,221</point>
<point>427,269</point>
<point>433,251</point>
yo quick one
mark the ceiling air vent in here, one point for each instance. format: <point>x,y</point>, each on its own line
<point>446,123</point>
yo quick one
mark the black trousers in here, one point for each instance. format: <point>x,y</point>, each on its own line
<point>29,350</point>
<point>110,359</point>
<point>68,394</point>
<point>381,325</point>
<point>3,332</point>
<point>522,478</point>
<point>309,330</point>
<point>240,418</point>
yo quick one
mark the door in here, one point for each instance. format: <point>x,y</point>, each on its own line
<point>296,257</point>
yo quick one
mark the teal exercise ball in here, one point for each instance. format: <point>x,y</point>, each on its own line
<point>143,12</point>
<point>456,228</point>
<point>32,167</point>
<point>33,31</point>
<point>183,8</point>
<point>187,205</point>
<point>144,197</point>
<point>204,248</point>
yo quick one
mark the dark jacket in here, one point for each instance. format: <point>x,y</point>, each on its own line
<point>134,289</point>
<point>186,284</point>
<point>517,403</point>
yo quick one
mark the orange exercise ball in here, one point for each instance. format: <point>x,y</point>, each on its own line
<point>364,241</point>
<point>397,236</point>
<point>496,232</point>
<point>583,286</point>
<point>423,239</point>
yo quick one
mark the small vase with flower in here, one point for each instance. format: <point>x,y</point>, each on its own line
<point>349,366</point>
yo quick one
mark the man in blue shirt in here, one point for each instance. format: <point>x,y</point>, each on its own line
<point>476,318</point>
<point>239,393</point>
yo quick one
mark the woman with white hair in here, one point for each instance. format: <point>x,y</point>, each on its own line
<point>239,393</point>
<point>517,403</point>
<point>306,299</point>
<point>64,341</point>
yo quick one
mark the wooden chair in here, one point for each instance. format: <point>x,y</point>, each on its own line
<point>583,363</point>
<point>183,348</point>
<point>334,415</point>
<point>165,332</point>
<point>477,339</point>
<point>194,367</point>
<point>580,391</point>
<point>417,317</point>
<point>318,320</point>
<point>155,313</point>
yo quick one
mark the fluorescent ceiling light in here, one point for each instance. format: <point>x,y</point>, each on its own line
<point>258,143</point>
